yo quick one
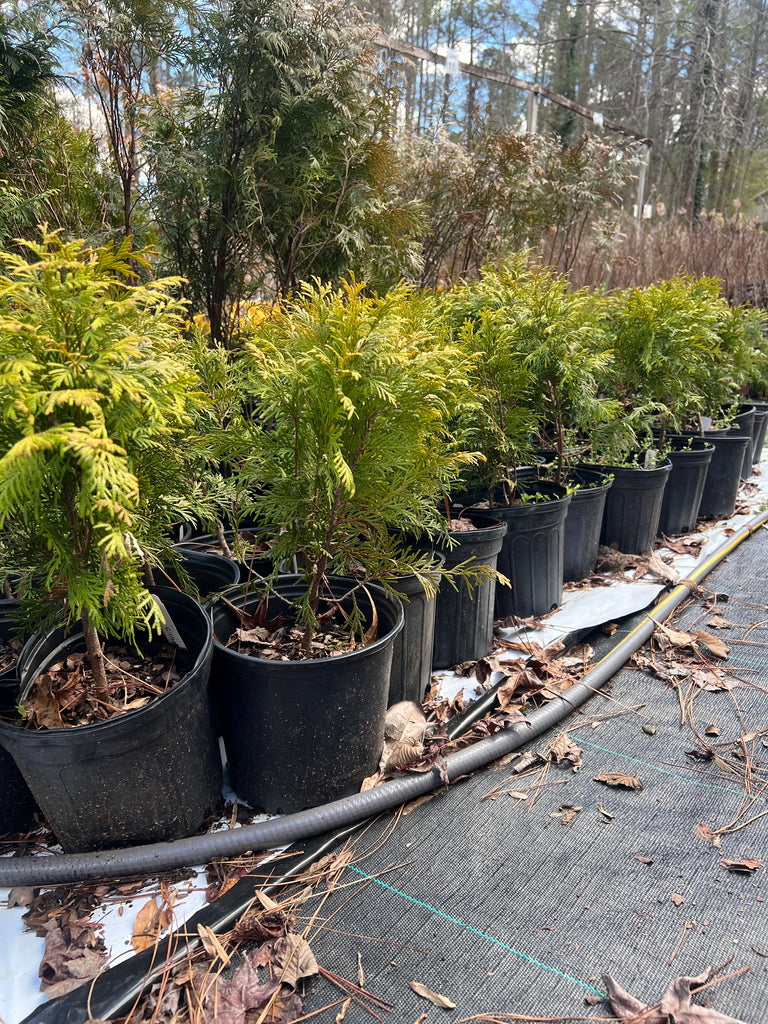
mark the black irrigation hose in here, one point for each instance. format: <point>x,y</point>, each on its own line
<point>114,992</point>
<point>267,835</point>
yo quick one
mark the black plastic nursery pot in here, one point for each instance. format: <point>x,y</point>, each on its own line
<point>302,733</point>
<point>581,538</point>
<point>745,470</point>
<point>685,486</point>
<point>17,805</point>
<point>412,650</point>
<point>258,565</point>
<point>149,775</point>
<point>209,572</point>
<point>744,418</point>
<point>464,615</point>
<point>758,434</point>
<point>743,423</point>
<point>633,507</point>
<point>531,555</point>
<point>724,474</point>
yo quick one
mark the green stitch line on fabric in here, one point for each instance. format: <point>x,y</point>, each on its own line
<point>662,771</point>
<point>476,931</point>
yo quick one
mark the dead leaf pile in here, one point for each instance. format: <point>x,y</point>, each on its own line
<point>265,979</point>
<point>684,545</point>
<point>256,971</point>
<point>679,656</point>
<point>65,905</point>
<point>73,955</point>
<point>562,750</point>
<point>666,637</point>
<point>63,695</point>
<point>541,671</point>
<point>221,875</point>
<point>9,654</point>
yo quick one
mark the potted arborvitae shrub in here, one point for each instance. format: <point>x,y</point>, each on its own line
<point>113,734</point>
<point>727,368</point>
<point>501,426</point>
<point>661,338</point>
<point>680,350</point>
<point>755,326</point>
<point>552,328</point>
<point>347,441</point>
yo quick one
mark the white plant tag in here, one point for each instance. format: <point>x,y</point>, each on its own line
<point>168,629</point>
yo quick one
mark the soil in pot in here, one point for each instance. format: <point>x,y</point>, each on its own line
<point>531,555</point>
<point>299,733</point>
<point>150,774</point>
<point>464,616</point>
<point>581,538</point>
<point>690,458</point>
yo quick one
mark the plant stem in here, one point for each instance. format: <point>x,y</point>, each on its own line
<point>96,658</point>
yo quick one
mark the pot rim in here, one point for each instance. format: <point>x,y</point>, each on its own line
<point>293,580</point>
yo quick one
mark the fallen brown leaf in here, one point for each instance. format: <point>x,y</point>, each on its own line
<point>746,866</point>
<point>226,1000</point>
<point>705,832</point>
<point>658,568</point>
<point>211,944</point>
<point>715,645</point>
<point>404,729</point>
<point>73,955</point>
<point>293,959</point>
<point>718,622</point>
<point>675,1005</point>
<point>418,802</point>
<point>667,636</point>
<point>619,779</point>
<point>21,896</point>
<point>433,997</point>
<point>151,921</point>
<point>626,1007</point>
<point>563,748</point>
<point>712,679</point>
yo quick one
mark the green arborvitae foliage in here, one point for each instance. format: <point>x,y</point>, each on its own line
<point>500,422</point>
<point>677,351</point>
<point>95,398</point>
<point>547,332</point>
<point>755,325</point>
<point>350,437</point>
